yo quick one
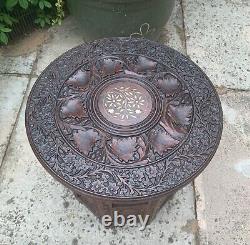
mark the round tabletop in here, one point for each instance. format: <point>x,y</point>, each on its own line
<point>123,118</point>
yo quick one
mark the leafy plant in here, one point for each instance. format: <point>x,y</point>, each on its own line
<point>6,21</point>
<point>59,12</point>
<point>3,31</point>
<point>43,19</point>
<point>48,12</point>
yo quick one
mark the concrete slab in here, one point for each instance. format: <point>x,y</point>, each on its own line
<point>218,40</point>
<point>61,39</point>
<point>12,90</point>
<point>173,33</point>
<point>17,64</point>
<point>223,193</point>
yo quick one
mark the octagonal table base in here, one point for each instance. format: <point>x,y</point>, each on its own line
<point>100,207</point>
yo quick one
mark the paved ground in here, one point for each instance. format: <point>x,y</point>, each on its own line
<point>34,209</point>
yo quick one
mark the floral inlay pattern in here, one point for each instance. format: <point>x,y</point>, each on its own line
<point>124,102</point>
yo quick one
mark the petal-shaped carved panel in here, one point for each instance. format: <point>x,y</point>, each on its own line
<point>161,142</point>
<point>144,64</point>
<point>129,149</point>
<point>108,66</point>
<point>80,79</point>
<point>181,114</point>
<point>124,148</point>
<point>85,140</point>
<point>168,84</point>
<point>73,108</point>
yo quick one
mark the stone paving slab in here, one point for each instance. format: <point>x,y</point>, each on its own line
<point>35,209</point>
<point>12,90</point>
<point>223,193</point>
<point>62,38</point>
<point>218,40</point>
<point>17,65</point>
<point>173,33</point>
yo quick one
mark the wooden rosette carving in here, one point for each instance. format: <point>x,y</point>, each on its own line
<point>94,142</point>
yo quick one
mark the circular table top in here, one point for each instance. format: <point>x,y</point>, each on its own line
<point>123,118</point>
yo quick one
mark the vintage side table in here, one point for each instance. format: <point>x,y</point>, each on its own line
<point>124,123</point>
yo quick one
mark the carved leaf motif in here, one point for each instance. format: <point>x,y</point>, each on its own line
<point>80,79</point>
<point>85,140</point>
<point>168,84</point>
<point>125,148</point>
<point>110,66</point>
<point>180,114</point>
<point>145,64</point>
<point>162,142</point>
<point>175,132</point>
<point>73,108</point>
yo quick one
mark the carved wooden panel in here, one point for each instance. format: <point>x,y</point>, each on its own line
<point>124,118</point>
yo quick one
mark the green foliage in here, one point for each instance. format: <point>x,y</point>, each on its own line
<point>6,21</point>
<point>3,31</point>
<point>59,12</point>
<point>48,12</point>
<point>43,19</point>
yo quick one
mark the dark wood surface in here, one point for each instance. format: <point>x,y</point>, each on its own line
<point>123,119</point>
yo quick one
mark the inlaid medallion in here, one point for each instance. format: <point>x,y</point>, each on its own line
<point>125,102</point>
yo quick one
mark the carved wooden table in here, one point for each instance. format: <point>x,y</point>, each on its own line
<point>123,123</point>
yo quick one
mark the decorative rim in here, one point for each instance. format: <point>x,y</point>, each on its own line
<point>86,176</point>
